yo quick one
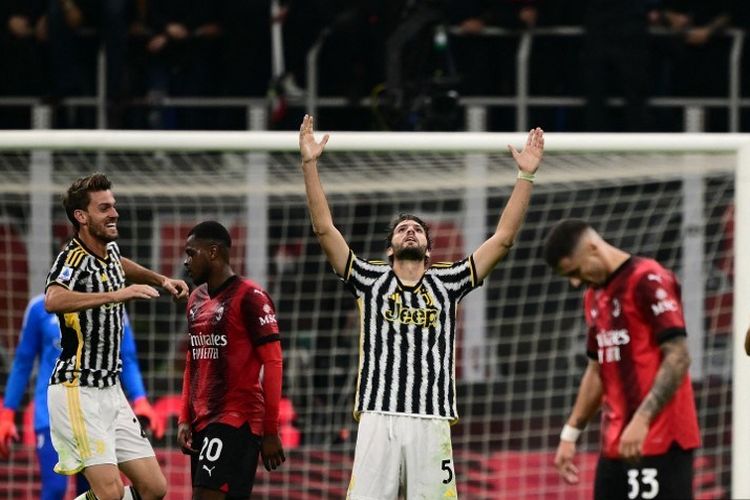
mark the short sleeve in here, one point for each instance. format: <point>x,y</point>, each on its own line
<point>592,348</point>
<point>458,278</point>
<point>360,275</point>
<point>658,297</point>
<point>260,317</point>
<point>67,268</point>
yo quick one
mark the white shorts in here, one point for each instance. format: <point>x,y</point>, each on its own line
<point>401,451</point>
<point>92,426</point>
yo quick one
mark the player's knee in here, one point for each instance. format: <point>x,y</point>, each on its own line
<point>111,489</point>
<point>155,489</point>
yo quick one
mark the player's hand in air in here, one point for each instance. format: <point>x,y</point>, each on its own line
<point>8,431</point>
<point>185,439</point>
<point>308,148</point>
<point>144,411</point>
<point>272,451</point>
<point>177,288</point>
<point>529,158</point>
<point>566,451</point>
<point>632,438</point>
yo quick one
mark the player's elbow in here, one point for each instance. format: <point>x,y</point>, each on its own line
<point>51,303</point>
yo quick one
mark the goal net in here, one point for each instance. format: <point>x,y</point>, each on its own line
<point>521,337</point>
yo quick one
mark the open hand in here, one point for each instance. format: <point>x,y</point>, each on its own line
<point>308,148</point>
<point>530,157</point>
<point>272,451</point>
<point>566,450</point>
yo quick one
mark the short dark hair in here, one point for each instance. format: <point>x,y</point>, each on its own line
<point>401,218</point>
<point>77,197</point>
<point>562,240</point>
<point>211,230</point>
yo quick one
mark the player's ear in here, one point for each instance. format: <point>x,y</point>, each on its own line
<point>389,251</point>
<point>81,216</point>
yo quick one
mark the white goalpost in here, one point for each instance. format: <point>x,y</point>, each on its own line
<point>680,198</point>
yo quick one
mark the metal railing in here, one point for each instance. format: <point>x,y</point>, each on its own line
<point>522,101</point>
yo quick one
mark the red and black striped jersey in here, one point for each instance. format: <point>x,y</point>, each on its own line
<point>628,318</point>
<point>227,331</point>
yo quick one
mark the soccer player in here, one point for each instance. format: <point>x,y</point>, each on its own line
<point>40,338</point>
<point>228,414</point>
<point>405,396</point>
<point>93,427</point>
<point>637,370</point>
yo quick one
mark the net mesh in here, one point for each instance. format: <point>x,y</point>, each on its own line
<point>532,333</point>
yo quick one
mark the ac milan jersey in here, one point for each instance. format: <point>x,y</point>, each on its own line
<point>628,317</point>
<point>408,337</point>
<point>225,331</point>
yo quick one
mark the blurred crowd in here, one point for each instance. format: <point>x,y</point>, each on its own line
<point>413,58</point>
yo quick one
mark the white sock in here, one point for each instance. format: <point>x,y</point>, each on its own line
<point>130,494</point>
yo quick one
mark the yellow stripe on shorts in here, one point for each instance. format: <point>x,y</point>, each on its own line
<point>77,422</point>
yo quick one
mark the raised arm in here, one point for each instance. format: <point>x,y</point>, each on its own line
<point>333,243</point>
<point>497,246</point>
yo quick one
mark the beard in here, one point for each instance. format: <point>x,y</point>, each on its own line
<point>410,253</point>
<point>100,232</point>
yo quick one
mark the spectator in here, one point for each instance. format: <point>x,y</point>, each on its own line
<point>23,38</point>
<point>701,56</point>
<point>184,57</point>
<point>616,49</point>
<point>246,29</point>
<point>476,55</point>
<point>76,27</point>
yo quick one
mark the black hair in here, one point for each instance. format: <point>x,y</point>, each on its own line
<point>562,240</point>
<point>211,230</point>
<point>401,218</point>
<point>77,197</point>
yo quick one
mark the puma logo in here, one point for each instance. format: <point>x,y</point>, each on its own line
<point>210,470</point>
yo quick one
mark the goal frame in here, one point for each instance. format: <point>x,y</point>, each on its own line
<point>739,144</point>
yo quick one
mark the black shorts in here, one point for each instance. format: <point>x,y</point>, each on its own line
<point>660,476</point>
<point>226,460</point>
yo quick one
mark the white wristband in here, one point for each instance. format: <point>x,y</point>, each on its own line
<point>526,176</point>
<point>570,433</point>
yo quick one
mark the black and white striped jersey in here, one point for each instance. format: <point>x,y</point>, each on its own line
<point>91,338</point>
<point>408,337</point>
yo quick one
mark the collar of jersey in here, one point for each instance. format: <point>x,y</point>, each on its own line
<point>222,287</point>
<point>407,287</point>
<point>617,272</point>
<point>89,251</point>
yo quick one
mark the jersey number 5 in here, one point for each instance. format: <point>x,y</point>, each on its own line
<point>446,466</point>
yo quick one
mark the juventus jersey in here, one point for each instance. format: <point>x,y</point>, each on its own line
<point>408,337</point>
<point>91,338</point>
